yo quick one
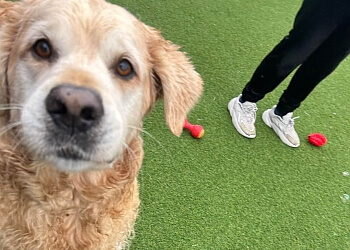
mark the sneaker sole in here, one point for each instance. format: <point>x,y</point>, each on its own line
<point>268,122</point>
<point>234,121</point>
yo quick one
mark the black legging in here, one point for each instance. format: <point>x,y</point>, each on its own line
<point>318,42</point>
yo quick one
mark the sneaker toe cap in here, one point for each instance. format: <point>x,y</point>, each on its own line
<point>294,139</point>
<point>249,130</point>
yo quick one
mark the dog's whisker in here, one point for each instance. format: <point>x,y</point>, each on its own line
<point>147,133</point>
<point>9,127</point>
<point>130,150</point>
<point>10,108</point>
<point>11,105</point>
<point>19,142</point>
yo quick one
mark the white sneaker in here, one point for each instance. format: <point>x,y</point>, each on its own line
<point>243,116</point>
<point>283,126</point>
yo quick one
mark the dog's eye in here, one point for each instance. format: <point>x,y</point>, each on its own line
<point>124,68</point>
<point>42,48</point>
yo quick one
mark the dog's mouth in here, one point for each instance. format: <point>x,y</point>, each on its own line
<point>71,153</point>
<point>73,159</point>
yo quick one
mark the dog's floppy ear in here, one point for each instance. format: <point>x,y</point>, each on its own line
<point>9,22</point>
<point>175,79</point>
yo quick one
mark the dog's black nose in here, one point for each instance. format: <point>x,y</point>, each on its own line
<point>74,108</point>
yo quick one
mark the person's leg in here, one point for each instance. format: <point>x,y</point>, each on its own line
<point>315,21</point>
<point>316,67</point>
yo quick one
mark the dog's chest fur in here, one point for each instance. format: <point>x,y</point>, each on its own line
<point>67,211</point>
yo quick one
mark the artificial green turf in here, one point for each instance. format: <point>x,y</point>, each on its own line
<point>225,191</point>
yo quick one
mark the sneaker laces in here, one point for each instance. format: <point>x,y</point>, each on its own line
<point>249,111</point>
<point>290,123</point>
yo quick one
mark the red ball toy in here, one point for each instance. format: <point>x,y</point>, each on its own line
<point>317,139</point>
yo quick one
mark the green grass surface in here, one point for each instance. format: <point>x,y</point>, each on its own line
<point>225,191</point>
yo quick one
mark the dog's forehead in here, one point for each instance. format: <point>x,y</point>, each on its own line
<point>92,26</point>
<point>91,15</point>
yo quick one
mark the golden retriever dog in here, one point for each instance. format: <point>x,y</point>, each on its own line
<point>76,79</point>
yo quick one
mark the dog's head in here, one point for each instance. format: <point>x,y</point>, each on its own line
<point>78,77</point>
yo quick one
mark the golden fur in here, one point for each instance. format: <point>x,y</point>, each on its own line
<point>51,203</point>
